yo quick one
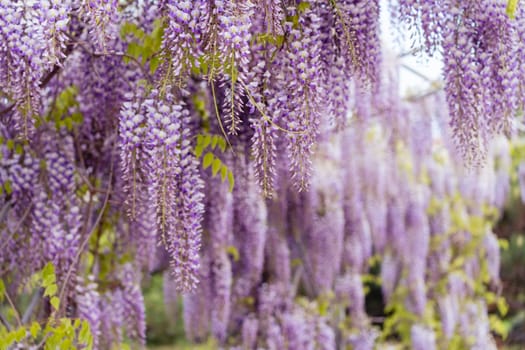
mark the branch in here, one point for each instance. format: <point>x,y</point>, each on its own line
<point>15,310</point>
<point>411,52</point>
<point>17,227</point>
<point>95,54</point>
<point>424,95</point>
<point>7,109</point>
<point>416,72</point>
<point>5,210</point>
<point>5,323</point>
<point>86,240</point>
<point>34,302</point>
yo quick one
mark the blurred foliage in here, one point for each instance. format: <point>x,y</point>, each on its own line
<point>511,227</point>
<point>165,327</point>
<point>164,322</point>
<point>51,333</point>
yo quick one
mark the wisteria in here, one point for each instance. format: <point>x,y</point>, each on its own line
<point>262,157</point>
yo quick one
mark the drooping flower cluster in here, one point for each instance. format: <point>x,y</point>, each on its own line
<point>102,14</point>
<point>176,184</point>
<point>480,43</point>
<point>103,104</point>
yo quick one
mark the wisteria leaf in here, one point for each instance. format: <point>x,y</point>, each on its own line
<point>216,166</point>
<point>206,140</point>
<point>224,172</point>
<point>48,275</point>
<point>198,150</point>
<point>231,180</point>
<point>154,64</point>
<point>221,142</point>
<point>51,290</point>
<point>2,289</point>
<point>34,329</point>
<point>207,160</point>
<point>7,187</point>
<point>55,302</point>
<point>512,6</point>
<point>214,141</point>
<point>233,252</point>
<point>85,333</point>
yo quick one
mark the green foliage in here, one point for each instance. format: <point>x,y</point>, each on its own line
<point>165,324</point>
<point>64,110</point>
<point>206,144</point>
<point>102,254</point>
<point>49,285</point>
<point>464,247</point>
<point>233,252</point>
<point>54,333</point>
<point>144,48</point>
<point>512,6</point>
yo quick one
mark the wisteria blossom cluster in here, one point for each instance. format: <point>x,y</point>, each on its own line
<point>482,49</point>
<point>296,276</point>
<point>259,155</point>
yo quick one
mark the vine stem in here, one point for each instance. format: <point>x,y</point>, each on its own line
<point>32,304</point>
<point>18,224</point>
<point>86,240</point>
<point>17,314</point>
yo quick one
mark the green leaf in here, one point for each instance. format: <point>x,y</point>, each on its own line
<point>502,305</point>
<point>55,302</point>
<point>221,142</point>
<point>2,290</point>
<point>233,252</point>
<point>84,335</point>
<point>214,141</point>
<point>207,160</point>
<point>127,28</point>
<point>204,65</point>
<point>198,150</point>
<point>34,329</point>
<point>134,50</point>
<point>154,64</point>
<point>512,6</point>
<point>51,290</point>
<point>206,140</point>
<point>231,180</point>
<point>77,117</point>
<point>224,172</point>
<point>303,6</point>
<point>10,144</point>
<point>66,344</point>
<point>280,40</point>
<point>48,281</point>
<point>19,149</point>
<point>68,122</point>
<point>216,166</point>
<point>7,187</point>
<point>48,275</point>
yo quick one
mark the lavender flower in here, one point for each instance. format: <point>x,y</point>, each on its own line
<point>422,338</point>
<point>176,184</point>
<point>350,292</point>
<point>363,341</point>
<point>100,16</point>
<point>250,229</point>
<point>183,35</point>
<point>197,306</point>
<point>87,300</point>
<point>249,332</point>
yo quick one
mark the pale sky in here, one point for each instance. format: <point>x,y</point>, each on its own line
<point>411,83</point>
